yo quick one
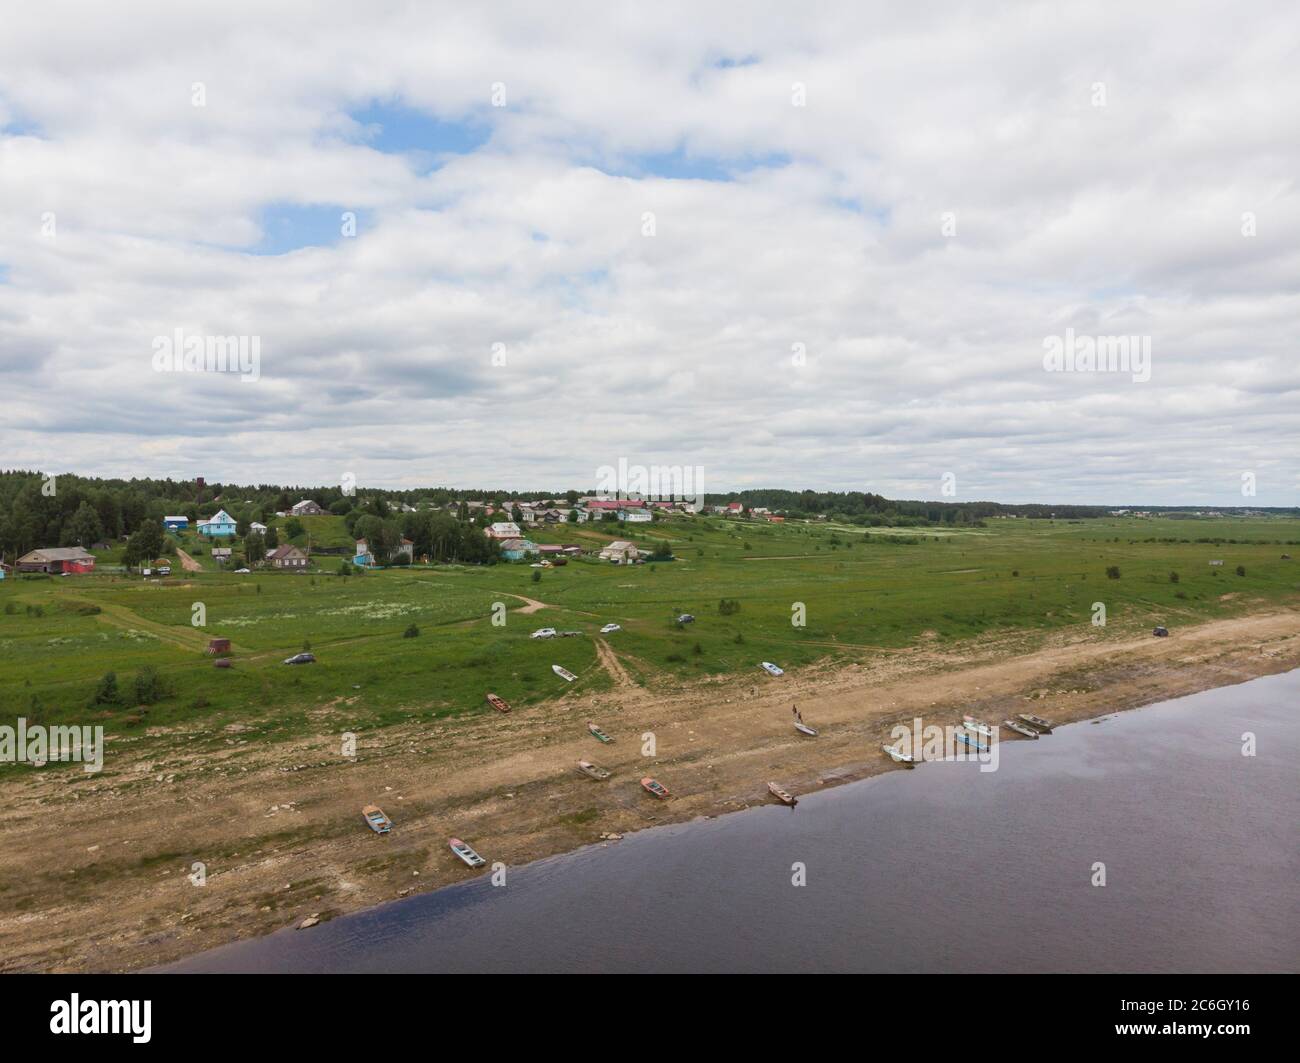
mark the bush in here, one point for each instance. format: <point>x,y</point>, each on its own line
<point>1173,577</point>
<point>10,608</point>
<point>107,693</point>
<point>150,687</point>
<point>537,575</point>
<point>728,606</point>
<point>1112,571</point>
<point>1241,570</point>
<point>411,632</point>
<point>697,649</point>
<point>675,658</point>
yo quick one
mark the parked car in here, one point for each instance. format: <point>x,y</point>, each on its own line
<point>686,618</point>
<point>239,571</point>
<point>544,633</point>
<point>1161,632</point>
<point>301,658</point>
<point>569,634</point>
<point>610,628</point>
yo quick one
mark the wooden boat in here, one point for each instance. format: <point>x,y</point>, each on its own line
<point>653,786</point>
<point>1020,728</point>
<point>376,820</point>
<point>973,741</point>
<point>594,770</point>
<point>465,853</point>
<point>899,756</point>
<point>972,724</point>
<point>1037,722</point>
<point>772,669</point>
<point>599,733</point>
<point>498,703</point>
<point>804,729</point>
<point>563,673</point>
<point>782,796</point>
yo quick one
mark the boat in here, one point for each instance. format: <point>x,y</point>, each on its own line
<point>599,733</point>
<point>804,729</point>
<point>973,741</point>
<point>782,796</point>
<point>465,853</point>
<point>972,724</point>
<point>899,756</point>
<point>1020,728</point>
<point>594,770</point>
<point>653,786</point>
<point>563,673</point>
<point>376,820</point>
<point>498,703</point>
<point>772,669</point>
<point>1037,722</point>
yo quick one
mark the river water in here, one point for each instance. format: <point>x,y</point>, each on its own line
<point>943,868</point>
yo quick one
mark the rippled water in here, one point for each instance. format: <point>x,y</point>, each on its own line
<point>939,869</point>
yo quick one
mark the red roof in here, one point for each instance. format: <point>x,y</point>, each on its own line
<point>615,503</point>
<point>735,505</point>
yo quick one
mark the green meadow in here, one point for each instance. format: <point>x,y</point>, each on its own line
<point>859,593</point>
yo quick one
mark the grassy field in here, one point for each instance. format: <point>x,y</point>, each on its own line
<point>861,593</point>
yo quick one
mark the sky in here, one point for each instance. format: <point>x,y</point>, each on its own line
<point>825,245</point>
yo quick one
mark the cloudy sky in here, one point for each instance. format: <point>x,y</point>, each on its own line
<point>803,245</point>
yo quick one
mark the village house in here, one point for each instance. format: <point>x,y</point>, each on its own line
<point>635,516</point>
<point>61,559</point>
<point>176,523</point>
<point>162,567</point>
<point>502,530</point>
<point>306,508</point>
<point>517,549</point>
<point>620,553</point>
<point>257,528</point>
<point>287,556</point>
<point>221,554</point>
<point>405,549</point>
<point>363,558</point>
<point>220,525</point>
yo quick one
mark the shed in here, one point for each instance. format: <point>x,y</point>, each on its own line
<point>216,646</point>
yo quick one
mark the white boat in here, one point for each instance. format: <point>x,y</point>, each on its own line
<point>563,673</point>
<point>898,755</point>
<point>465,852</point>
<point>803,728</point>
<point>972,724</point>
<point>1020,728</point>
<point>785,797</point>
<point>773,669</point>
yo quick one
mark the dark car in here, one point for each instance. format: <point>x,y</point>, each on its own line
<point>1161,632</point>
<point>686,618</point>
<point>301,658</point>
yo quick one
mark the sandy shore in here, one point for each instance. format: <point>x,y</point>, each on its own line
<point>96,875</point>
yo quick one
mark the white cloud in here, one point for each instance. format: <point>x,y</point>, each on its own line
<point>924,351</point>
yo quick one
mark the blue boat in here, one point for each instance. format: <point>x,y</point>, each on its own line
<point>973,742</point>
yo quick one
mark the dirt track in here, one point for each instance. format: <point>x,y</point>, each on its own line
<point>279,829</point>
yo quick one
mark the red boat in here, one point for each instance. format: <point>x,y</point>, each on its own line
<point>497,703</point>
<point>653,786</point>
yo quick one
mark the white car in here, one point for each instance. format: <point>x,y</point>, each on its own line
<point>544,633</point>
<point>238,571</point>
<point>611,627</point>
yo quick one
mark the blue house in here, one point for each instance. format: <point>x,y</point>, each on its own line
<point>221,525</point>
<point>176,523</point>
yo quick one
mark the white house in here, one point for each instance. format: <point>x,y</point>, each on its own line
<point>306,508</point>
<point>505,529</point>
<point>620,553</point>
<point>258,527</point>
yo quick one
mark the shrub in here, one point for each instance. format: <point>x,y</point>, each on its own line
<point>675,658</point>
<point>697,649</point>
<point>728,606</point>
<point>411,632</point>
<point>1241,570</point>
<point>1112,571</point>
<point>1173,577</point>
<point>10,608</point>
<point>150,687</point>
<point>107,693</point>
